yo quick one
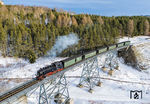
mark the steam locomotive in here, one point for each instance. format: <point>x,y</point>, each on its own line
<point>62,65</point>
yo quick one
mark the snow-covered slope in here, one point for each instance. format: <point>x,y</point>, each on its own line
<point>16,71</point>
<point>136,40</point>
<point>139,52</point>
<point>111,91</point>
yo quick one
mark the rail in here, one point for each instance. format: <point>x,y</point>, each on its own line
<point>22,89</point>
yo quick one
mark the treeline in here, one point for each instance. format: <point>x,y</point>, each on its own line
<point>29,32</point>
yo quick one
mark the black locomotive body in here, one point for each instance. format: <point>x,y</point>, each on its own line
<point>49,70</point>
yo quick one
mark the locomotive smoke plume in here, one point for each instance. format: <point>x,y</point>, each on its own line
<point>62,43</point>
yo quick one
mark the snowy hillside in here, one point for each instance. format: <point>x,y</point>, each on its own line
<point>16,71</point>
<point>140,52</point>
<point>115,89</point>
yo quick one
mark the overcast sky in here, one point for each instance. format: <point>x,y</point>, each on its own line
<point>99,7</point>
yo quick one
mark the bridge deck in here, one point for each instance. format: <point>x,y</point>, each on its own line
<point>22,89</point>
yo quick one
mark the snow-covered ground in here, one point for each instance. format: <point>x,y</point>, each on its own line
<point>141,48</point>
<point>136,40</point>
<point>16,71</point>
<point>111,92</point>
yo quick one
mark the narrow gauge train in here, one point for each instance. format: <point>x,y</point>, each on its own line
<point>61,65</point>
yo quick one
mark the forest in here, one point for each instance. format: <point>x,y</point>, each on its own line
<point>30,32</point>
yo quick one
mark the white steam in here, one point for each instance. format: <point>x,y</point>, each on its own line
<point>62,43</point>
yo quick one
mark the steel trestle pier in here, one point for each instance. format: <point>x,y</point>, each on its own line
<point>90,75</point>
<point>54,88</point>
<point>54,91</point>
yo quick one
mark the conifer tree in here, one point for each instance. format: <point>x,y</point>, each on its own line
<point>146,27</point>
<point>3,40</point>
<point>25,33</point>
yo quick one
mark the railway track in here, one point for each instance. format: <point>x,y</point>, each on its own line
<point>30,84</point>
<point>17,90</point>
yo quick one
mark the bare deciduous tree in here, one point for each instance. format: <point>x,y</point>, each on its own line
<point>130,27</point>
<point>146,27</point>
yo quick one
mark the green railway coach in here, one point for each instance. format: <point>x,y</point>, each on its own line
<point>120,44</point>
<point>127,43</point>
<point>101,50</point>
<point>90,54</point>
<point>112,47</point>
<point>78,58</point>
<point>69,62</point>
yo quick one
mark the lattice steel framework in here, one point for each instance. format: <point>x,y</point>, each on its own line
<point>90,74</point>
<point>111,60</point>
<point>42,95</point>
<point>54,91</point>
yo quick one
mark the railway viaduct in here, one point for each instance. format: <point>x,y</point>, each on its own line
<point>54,87</point>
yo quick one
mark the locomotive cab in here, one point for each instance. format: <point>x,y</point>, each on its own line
<point>39,73</point>
<point>58,65</point>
